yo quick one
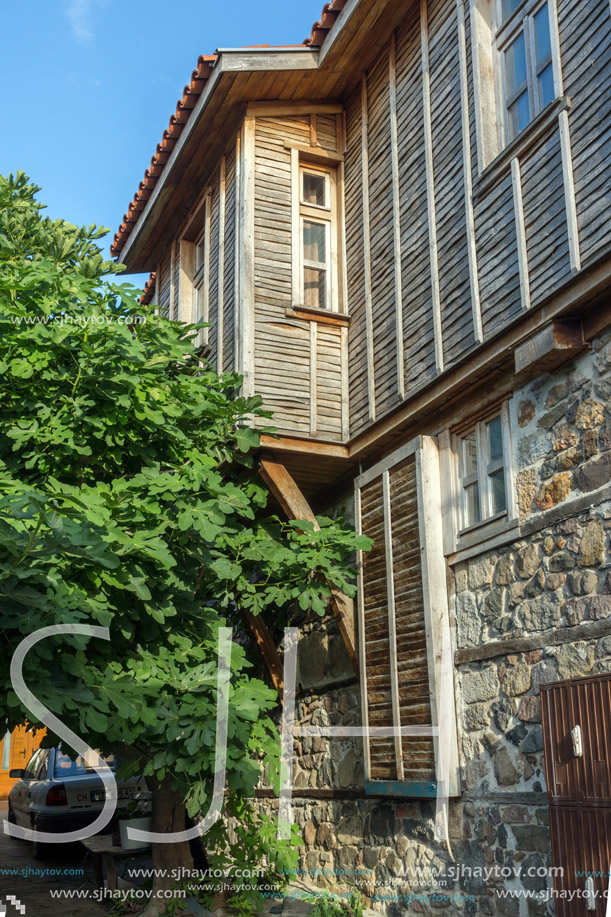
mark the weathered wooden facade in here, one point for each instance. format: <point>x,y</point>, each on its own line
<point>399,235</point>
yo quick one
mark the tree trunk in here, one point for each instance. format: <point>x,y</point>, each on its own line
<point>168,816</point>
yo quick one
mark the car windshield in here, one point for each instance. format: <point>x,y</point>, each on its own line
<point>68,767</point>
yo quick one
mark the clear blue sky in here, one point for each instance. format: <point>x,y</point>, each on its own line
<point>87,86</point>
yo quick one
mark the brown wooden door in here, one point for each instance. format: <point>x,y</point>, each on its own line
<point>576,719</point>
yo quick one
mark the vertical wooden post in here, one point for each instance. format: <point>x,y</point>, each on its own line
<point>172,306</point>
<point>313,378</point>
<point>396,212</point>
<point>367,249</point>
<point>430,185</point>
<point>468,180</point>
<point>518,209</point>
<point>296,231</point>
<point>237,253</point>
<point>220,321</point>
<point>247,262</point>
<point>569,191</point>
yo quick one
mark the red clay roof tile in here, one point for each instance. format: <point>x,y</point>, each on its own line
<point>149,290</point>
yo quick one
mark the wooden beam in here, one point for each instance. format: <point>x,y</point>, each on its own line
<point>265,108</point>
<point>295,506</point>
<point>267,648</point>
<point>549,348</point>
<point>304,446</point>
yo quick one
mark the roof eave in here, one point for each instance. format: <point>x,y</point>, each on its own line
<point>233,61</point>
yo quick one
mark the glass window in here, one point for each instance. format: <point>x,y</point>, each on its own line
<point>33,764</point>
<point>509,7</point>
<point>528,84</point>
<point>482,470</point>
<point>314,189</point>
<point>316,234</point>
<point>65,766</point>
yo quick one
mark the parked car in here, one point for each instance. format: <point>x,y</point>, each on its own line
<point>57,793</point>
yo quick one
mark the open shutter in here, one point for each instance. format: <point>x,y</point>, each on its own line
<point>403,620</point>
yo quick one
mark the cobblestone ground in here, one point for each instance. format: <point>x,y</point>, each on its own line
<point>34,890</point>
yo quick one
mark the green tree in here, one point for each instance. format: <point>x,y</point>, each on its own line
<point>129,499</point>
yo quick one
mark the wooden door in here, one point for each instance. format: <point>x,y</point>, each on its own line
<point>576,719</point>
<point>16,749</point>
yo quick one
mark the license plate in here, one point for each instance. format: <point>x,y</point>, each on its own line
<point>122,793</point>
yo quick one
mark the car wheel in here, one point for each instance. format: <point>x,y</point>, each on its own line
<point>41,851</point>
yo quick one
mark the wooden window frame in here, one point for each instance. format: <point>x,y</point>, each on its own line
<point>327,215</point>
<point>459,536</point>
<point>489,38</point>
<point>436,613</point>
<point>521,22</point>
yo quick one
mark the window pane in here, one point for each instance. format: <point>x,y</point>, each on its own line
<point>497,491</point>
<point>515,64</point>
<point>200,253</point>
<point>469,453</point>
<point>200,305</point>
<point>509,7</point>
<point>543,44</point>
<point>546,86</point>
<point>519,114</point>
<point>495,440</point>
<point>472,507</point>
<point>314,189</point>
<point>314,242</point>
<point>314,288</point>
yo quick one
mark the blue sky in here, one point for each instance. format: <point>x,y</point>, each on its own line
<point>87,87</point>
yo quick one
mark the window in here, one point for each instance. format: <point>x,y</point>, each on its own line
<point>317,230</point>
<point>201,281</point>
<point>483,460</point>
<point>525,47</point>
<point>34,764</point>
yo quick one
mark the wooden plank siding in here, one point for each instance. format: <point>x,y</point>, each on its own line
<point>298,365</point>
<point>490,245</point>
<point>441,248</point>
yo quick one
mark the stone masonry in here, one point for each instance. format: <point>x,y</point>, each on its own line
<point>552,574</point>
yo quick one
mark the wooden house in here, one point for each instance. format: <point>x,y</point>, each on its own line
<point>399,233</point>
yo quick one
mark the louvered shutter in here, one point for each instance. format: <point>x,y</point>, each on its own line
<point>403,616</point>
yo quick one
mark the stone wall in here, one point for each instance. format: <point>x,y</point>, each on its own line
<point>554,575</point>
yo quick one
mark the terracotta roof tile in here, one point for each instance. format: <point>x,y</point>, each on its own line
<point>175,128</point>
<point>149,291</point>
<point>184,107</point>
<point>320,29</point>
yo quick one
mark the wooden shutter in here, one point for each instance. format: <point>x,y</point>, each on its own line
<point>403,611</point>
